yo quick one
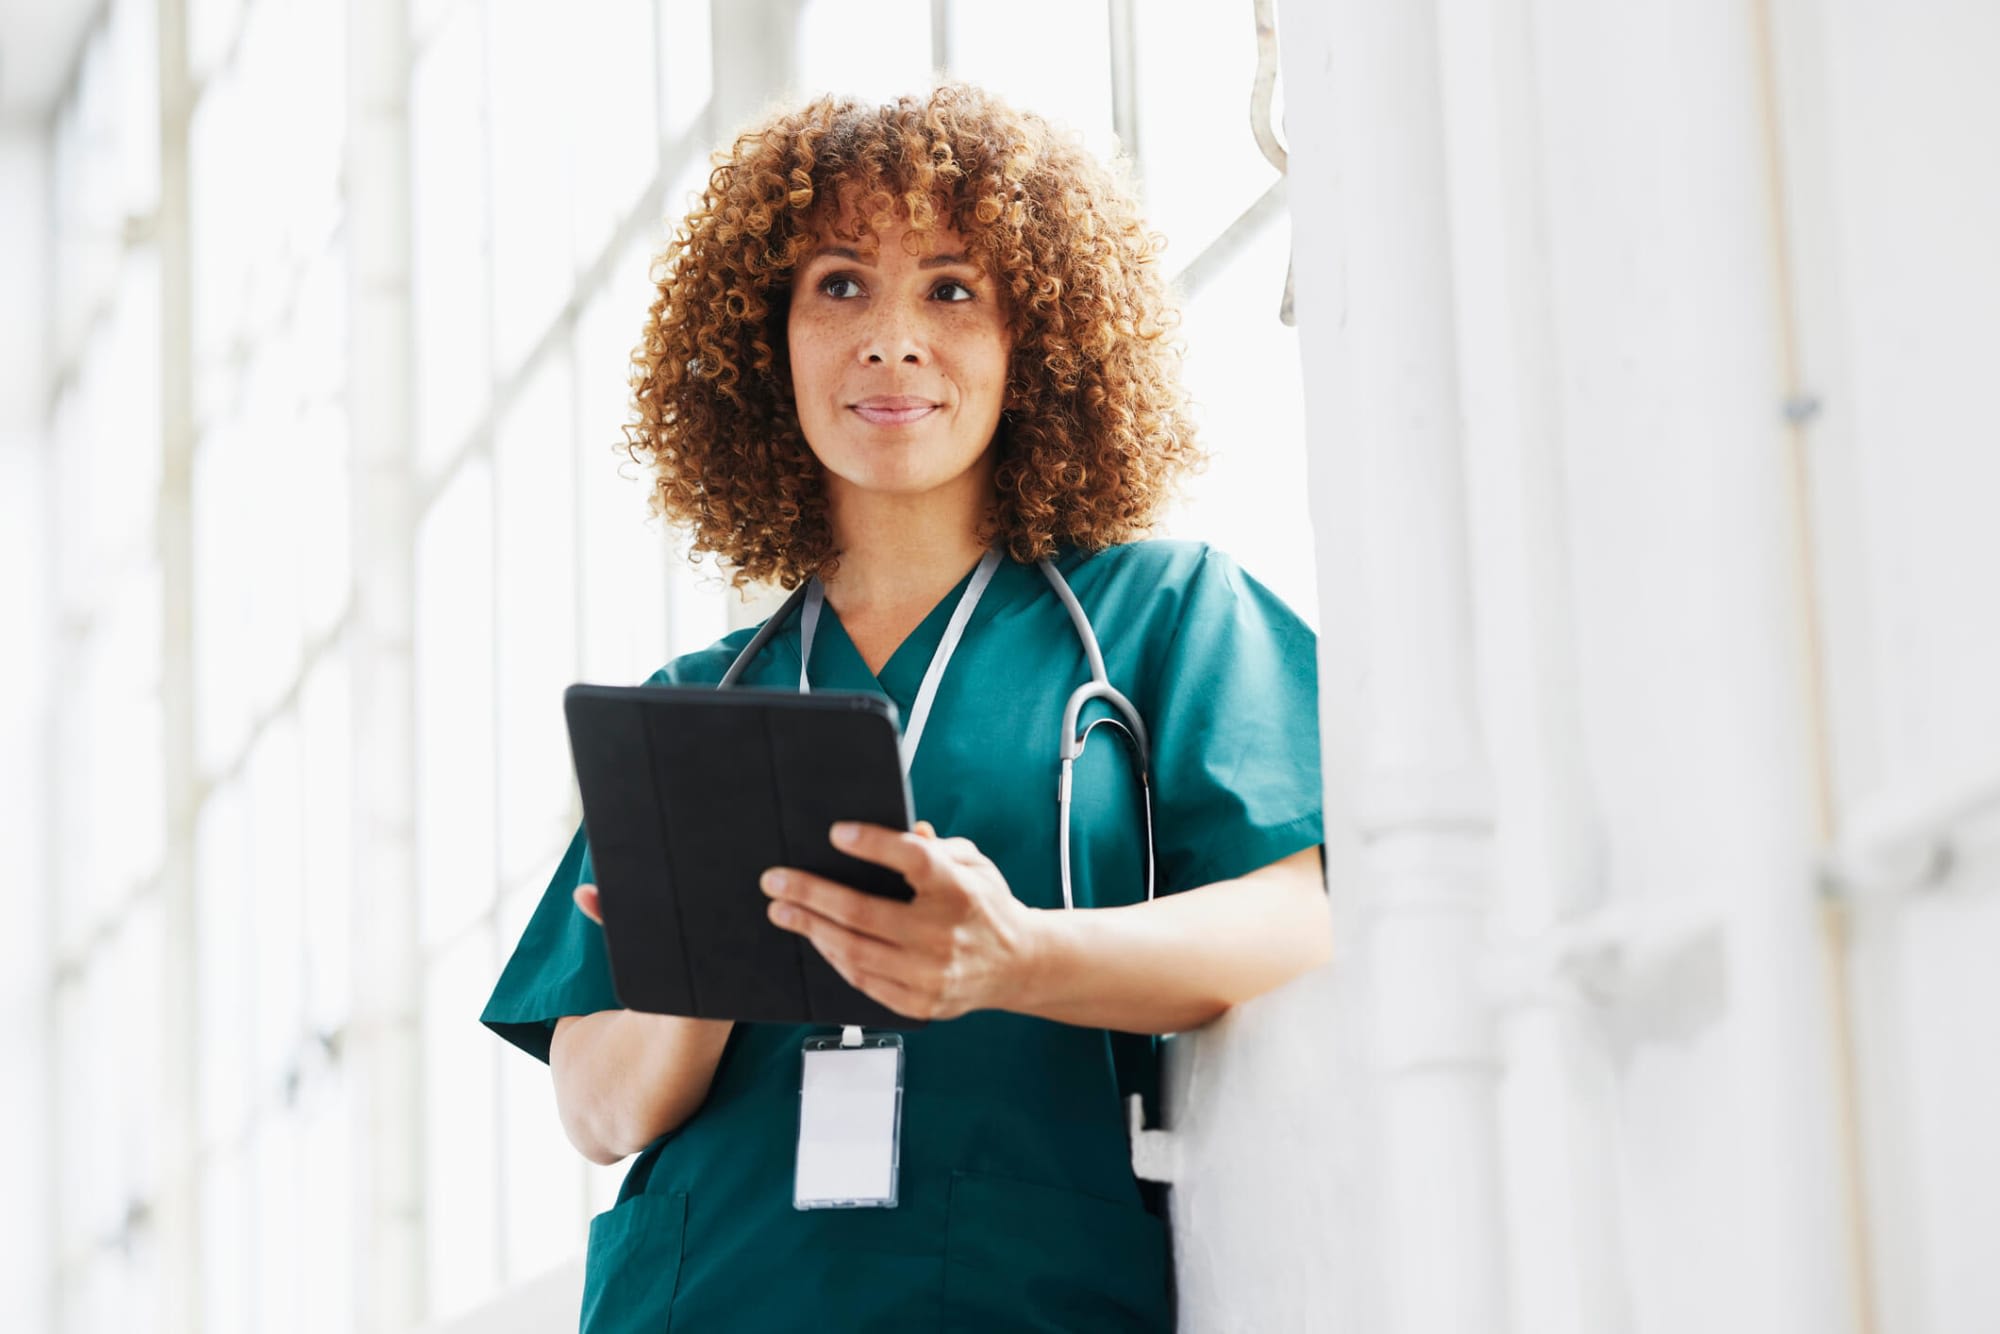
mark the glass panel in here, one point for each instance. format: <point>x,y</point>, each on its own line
<point>211,27</point>
<point>291,68</point>
<point>326,1194</point>
<point>275,907</point>
<point>274,1258</point>
<point>71,435</point>
<point>91,1294</point>
<point>461,1089</point>
<point>1243,375</point>
<point>121,709</point>
<point>93,1121</point>
<point>602,1185</point>
<point>223,214</point>
<point>84,855</point>
<point>135,64</point>
<point>427,16</point>
<point>1198,157</point>
<point>141,1287</point>
<point>614,144</point>
<point>223,500</point>
<point>544,1185</point>
<point>222,964</point>
<point>531,177</point>
<point>517,905</point>
<point>71,242</point>
<point>121,381</point>
<point>448,184</point>
<point>322,519</point>
<point>625,552</point>
<point>535,469</point>
<point>108,448</point>
<point>1006,49</point>
<point>687,68</point>
<point>227,1241</point>
<point>272,457</point>
<point>131,985</point>
<point>89,209</point>
<point>325,711</point>
<point>874,52</point>
<point>77,1157</point>
<point>454,683</point>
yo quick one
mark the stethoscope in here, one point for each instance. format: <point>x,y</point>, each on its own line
<point>809,597</point>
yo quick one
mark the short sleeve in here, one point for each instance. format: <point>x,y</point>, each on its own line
<point>559,966</point>
<point>1235,732</point>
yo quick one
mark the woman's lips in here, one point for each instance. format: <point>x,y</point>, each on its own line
<point>893,411</point>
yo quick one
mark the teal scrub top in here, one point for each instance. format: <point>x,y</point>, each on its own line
<point>1018,1209</point>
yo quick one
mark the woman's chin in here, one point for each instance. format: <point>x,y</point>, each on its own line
<point>894,478</point>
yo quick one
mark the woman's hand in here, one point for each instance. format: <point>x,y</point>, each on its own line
<point>963,943</point>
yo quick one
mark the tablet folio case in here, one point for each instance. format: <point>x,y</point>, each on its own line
<point>689,795</point>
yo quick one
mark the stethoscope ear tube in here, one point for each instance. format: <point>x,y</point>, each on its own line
<point>764,635</point>
<point>1099,686</point>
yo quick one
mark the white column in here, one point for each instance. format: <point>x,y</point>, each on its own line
<point>1558,1095</point>
<point>1770,763</point>
<point>1383,410</point>
<point>754,47</point>
<point>180,1214</point>
<point>383,1050</point>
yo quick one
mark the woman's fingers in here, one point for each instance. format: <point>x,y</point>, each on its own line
<point>810,895</point>
<point>913,855</point>
<point>586,900</point>
<point>869,965</point>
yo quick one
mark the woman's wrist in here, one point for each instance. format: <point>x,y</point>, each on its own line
<point>1045,946</point>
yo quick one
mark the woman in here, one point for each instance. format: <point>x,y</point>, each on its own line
<point>886,342</point>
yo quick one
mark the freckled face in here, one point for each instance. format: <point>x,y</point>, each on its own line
<point>899,360</point>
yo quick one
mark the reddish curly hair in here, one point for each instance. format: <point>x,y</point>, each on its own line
<point>1095,434</point>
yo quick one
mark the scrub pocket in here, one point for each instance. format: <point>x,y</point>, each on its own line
<point>1020,1256</point>
<point>632,1265</point>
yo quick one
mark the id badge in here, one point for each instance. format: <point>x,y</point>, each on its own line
<point>850,1122</point>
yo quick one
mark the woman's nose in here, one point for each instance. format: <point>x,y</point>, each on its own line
<point>893,336</point>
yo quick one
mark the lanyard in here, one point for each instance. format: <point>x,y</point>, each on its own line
<point>920,711</point>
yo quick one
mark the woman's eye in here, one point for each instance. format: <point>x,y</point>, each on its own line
<point>952,290</point>
<point>839,287</point>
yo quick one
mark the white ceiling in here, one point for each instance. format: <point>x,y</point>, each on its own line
<point>38,46</point>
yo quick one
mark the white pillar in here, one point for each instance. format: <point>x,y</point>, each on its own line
<point>1771,818</point>
<point>1383,414</point>
<point>383,1051</point>
<point>1558,1094</point>
<point>180,1144</point>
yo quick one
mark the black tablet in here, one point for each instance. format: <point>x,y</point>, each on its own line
<point>689,795</point>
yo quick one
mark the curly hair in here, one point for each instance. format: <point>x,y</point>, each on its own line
<point>1095,434</point>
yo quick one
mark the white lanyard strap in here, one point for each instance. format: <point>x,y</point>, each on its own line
<point>920,710</point>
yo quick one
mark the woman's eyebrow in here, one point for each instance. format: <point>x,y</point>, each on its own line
<point>855,256</point>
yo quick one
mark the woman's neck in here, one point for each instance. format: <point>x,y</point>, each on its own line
<point>903,553</point>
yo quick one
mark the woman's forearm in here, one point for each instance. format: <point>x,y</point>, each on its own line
<point>1177,962</point>
<point>624,1078</point>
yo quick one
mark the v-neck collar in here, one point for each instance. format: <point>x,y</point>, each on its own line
<point>838,665</point>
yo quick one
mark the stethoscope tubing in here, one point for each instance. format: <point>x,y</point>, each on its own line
<point>1128,722</point>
